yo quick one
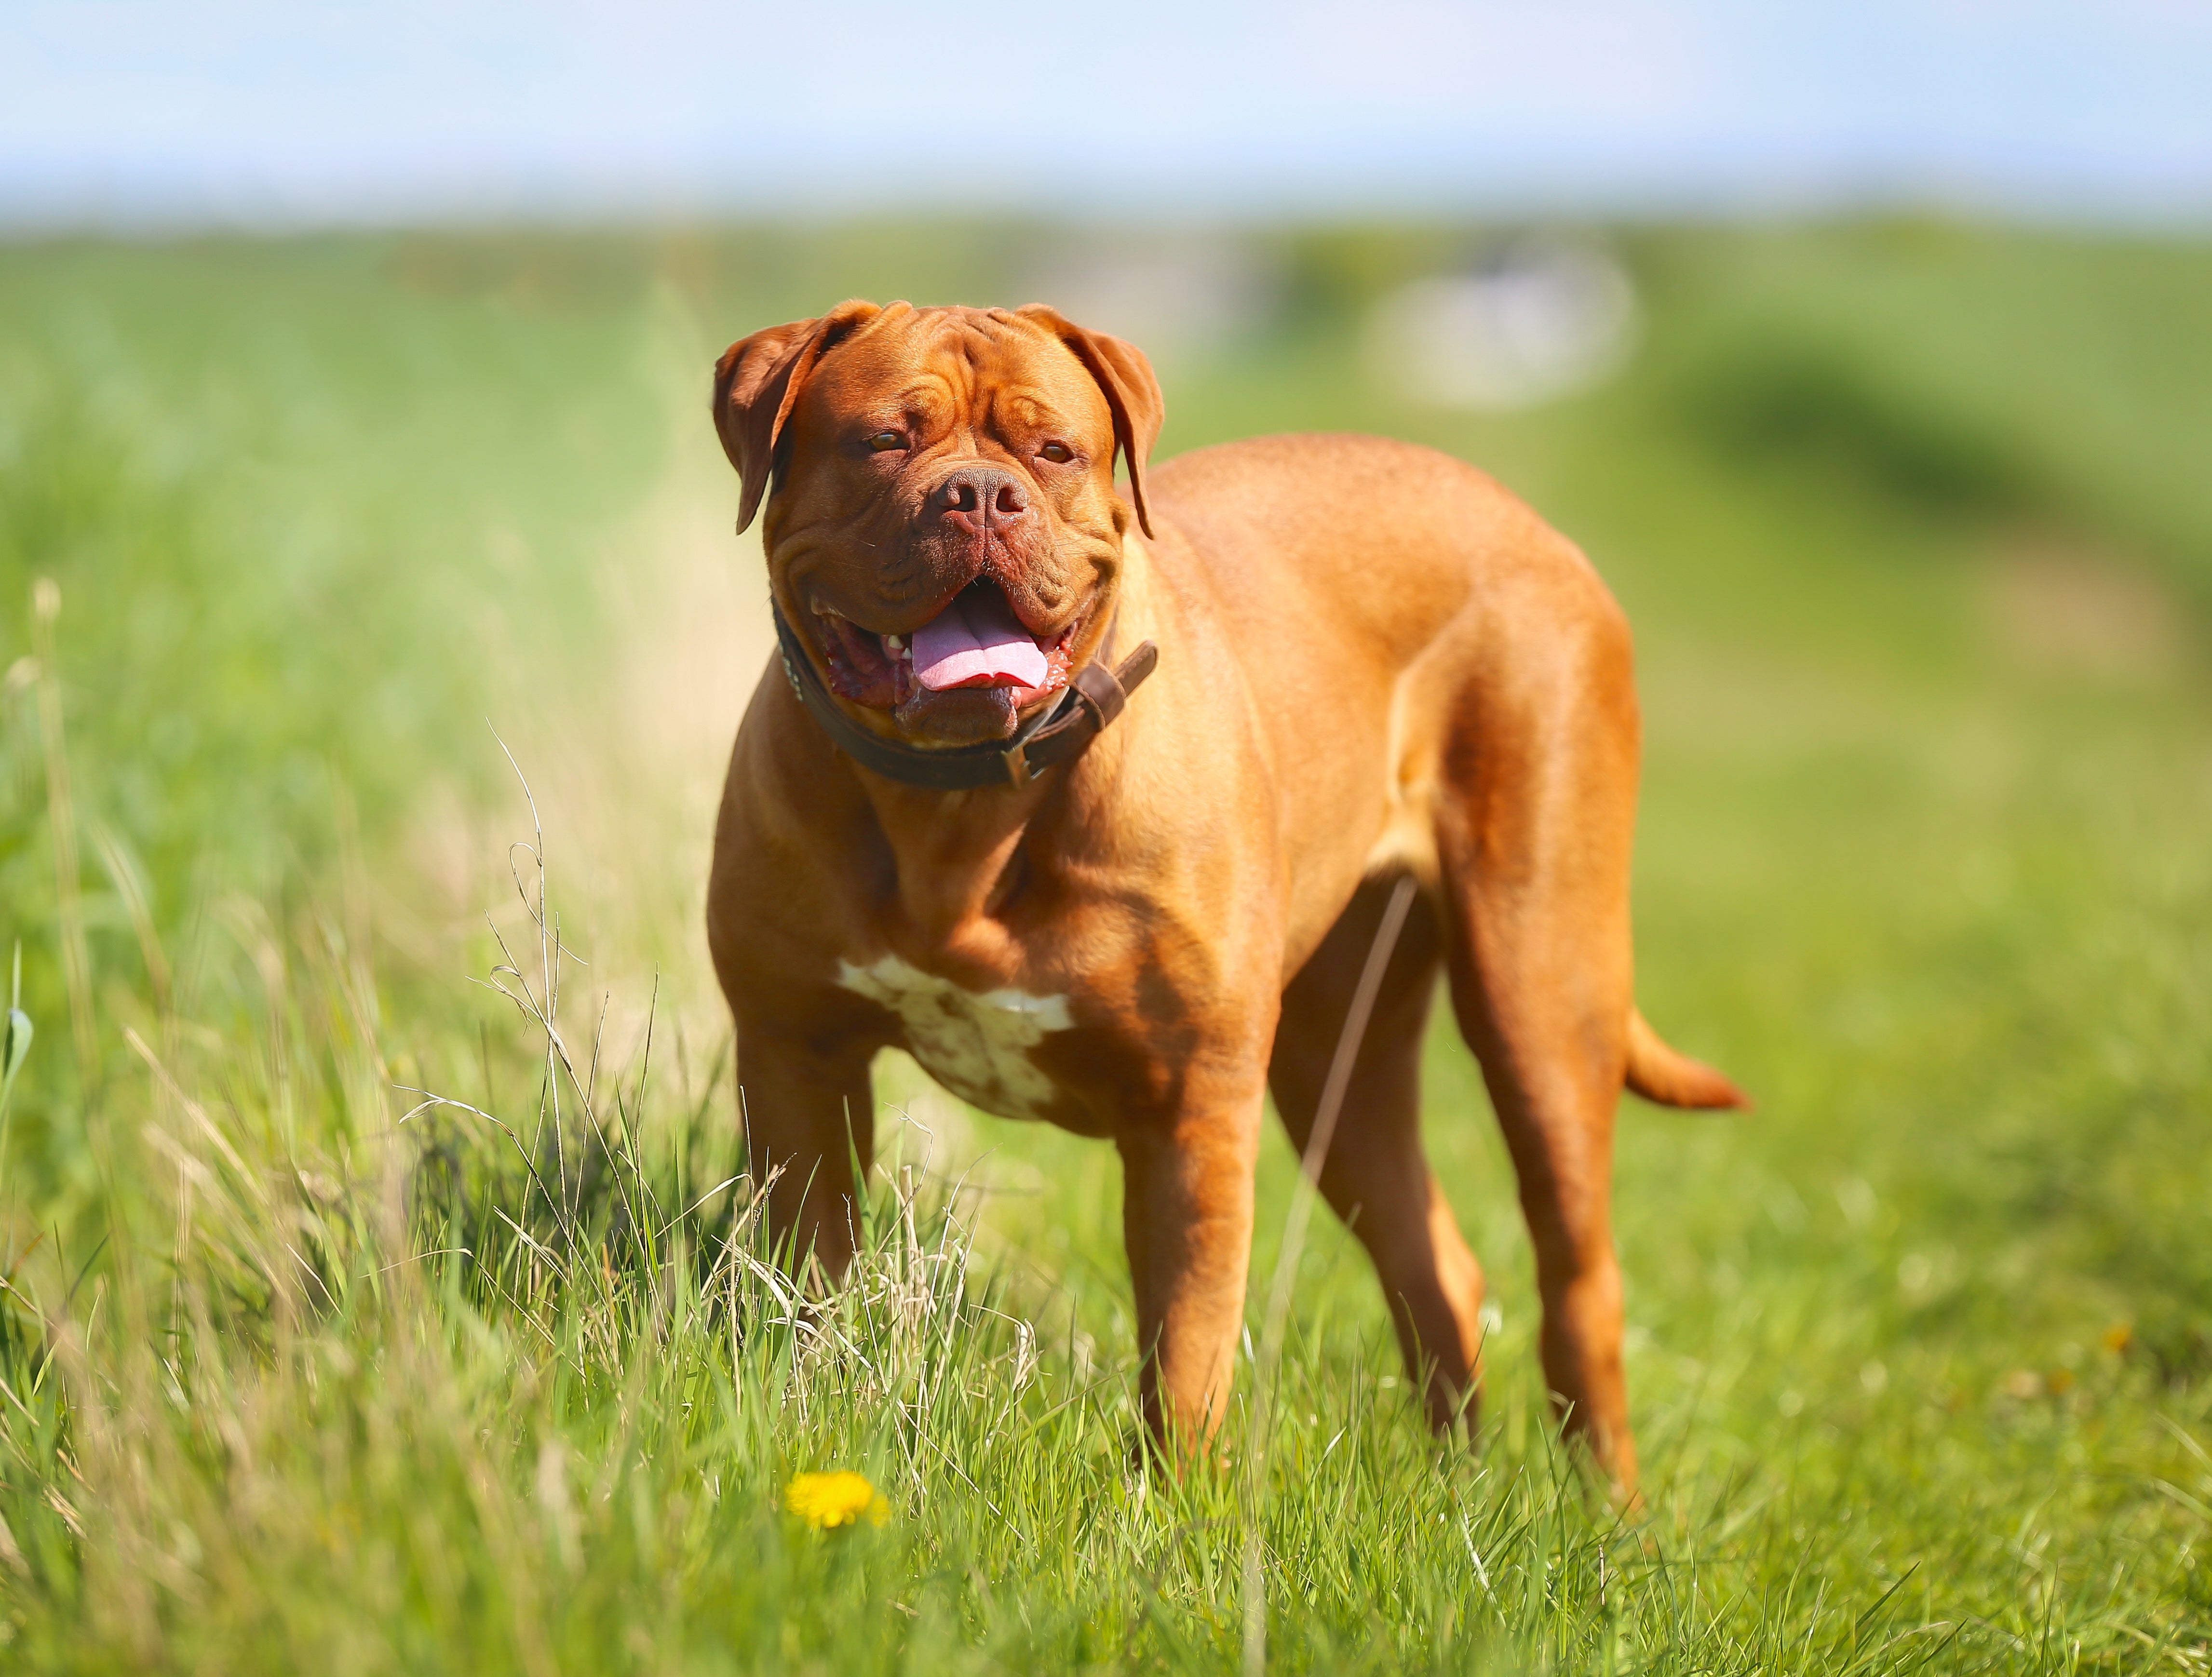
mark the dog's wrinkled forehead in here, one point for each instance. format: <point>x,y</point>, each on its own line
<point>965,368</point>
<point>1011,368</point>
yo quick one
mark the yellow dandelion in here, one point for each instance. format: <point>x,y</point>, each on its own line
<point>827,1500</point>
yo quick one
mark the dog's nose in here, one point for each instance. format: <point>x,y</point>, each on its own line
<point>982,495</point>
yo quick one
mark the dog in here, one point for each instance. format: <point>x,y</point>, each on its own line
<point>968,817</point>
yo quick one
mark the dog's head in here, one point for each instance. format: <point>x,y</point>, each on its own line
<point>943,531</point>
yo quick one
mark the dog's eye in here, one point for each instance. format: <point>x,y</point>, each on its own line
<point>1058,452</point>
<point>884,441</point>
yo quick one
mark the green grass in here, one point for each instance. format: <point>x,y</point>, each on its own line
<point>1913,525</point>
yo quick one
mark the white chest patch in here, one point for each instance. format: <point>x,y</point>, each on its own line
<point>976,1046</point>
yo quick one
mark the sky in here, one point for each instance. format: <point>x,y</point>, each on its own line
<point>148,113</point>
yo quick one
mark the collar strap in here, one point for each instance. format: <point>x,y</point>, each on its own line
<point>1094,698</point>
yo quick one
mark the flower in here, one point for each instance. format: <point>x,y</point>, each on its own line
<point>824,1500</point>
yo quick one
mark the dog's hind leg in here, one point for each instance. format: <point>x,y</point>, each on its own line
<point>1375,1174</point>
<point>1536,807</point>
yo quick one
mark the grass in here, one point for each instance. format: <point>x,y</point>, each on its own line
<point>306,1372</point>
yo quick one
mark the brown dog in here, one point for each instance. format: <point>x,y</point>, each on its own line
<point>1373,662</point>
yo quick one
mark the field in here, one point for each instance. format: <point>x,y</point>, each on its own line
<point>314,554</point>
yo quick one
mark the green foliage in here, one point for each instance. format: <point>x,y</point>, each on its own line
<point>304,1370</point>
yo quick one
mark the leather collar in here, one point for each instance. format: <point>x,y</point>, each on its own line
<point>1094,698</point>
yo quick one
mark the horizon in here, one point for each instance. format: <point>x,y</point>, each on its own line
<point>244,115</point>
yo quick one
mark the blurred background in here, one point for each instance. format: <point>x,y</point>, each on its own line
<point>353,371</point>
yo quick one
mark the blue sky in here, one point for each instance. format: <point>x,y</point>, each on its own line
<point>256,113</point>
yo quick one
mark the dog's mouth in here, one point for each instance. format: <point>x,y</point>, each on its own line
<point>977,644</point>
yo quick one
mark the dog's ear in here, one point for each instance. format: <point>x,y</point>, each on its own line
<point>1131,391</point>
<point>757,381</point>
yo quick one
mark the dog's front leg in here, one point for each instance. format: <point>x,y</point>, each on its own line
<point>809,1119</point>
<point>1187,1216</point>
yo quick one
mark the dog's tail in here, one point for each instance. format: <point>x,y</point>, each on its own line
<point>1660,1073</point>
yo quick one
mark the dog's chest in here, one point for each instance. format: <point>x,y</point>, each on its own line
<point>977,1046</point>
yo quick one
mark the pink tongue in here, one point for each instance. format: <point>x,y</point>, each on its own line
<point>977,641</point>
